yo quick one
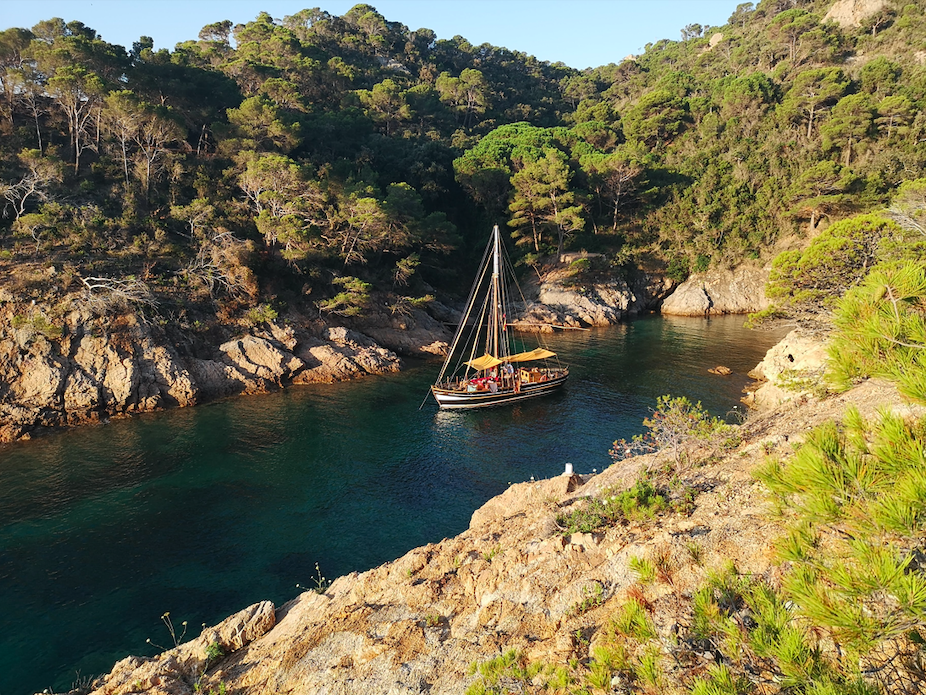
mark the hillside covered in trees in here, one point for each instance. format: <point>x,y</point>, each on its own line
<point>315,161</point>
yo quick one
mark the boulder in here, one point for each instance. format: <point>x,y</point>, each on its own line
<point>414,334</point>
<point>343,354</point>
<point>789,369</point>
<point>601,304</point>
<point>604,302</point>
<point>175,670</point>
<point>242,628</point>
<point>262,362</point>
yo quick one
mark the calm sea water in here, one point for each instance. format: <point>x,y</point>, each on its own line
<point>204,511</point>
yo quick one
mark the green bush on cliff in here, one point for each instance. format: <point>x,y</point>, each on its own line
<point>881,329</point>
<point>642,501</point>
<point>810,281</point>
<point>676,425</point>
<point>502,674</point>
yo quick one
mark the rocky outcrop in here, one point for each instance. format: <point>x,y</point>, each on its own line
<point>793,367</point>
<point>514,581</point>
<point>84,372</point>
<point>720,291</point>
<point>604,302</point>
<point>84,368</point>
<point>343,354</point>
<point>175,672</point>
<point>851,13</point>
<point>413,333</point>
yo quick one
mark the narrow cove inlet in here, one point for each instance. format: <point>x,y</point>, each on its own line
<point>203,511</point>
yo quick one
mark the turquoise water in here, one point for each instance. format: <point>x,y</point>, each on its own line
<point>203,511</point>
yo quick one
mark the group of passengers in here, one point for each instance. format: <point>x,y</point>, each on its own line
<point>491,380</point>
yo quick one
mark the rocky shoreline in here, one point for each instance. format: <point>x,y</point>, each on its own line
<point>82,367</point>
<point>513,581</point>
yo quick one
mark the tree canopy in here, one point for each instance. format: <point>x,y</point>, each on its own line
<point>344,146</point>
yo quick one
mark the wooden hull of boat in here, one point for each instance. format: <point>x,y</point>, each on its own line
<point>452,399</point>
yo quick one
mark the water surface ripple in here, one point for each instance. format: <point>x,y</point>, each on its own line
<point>203,511</point>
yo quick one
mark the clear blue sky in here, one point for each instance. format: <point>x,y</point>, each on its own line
<point>580,33</point>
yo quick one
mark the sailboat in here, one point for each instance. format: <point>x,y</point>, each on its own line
<point>482,367</point>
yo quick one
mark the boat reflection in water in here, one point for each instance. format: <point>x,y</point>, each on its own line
<point>482,368</point>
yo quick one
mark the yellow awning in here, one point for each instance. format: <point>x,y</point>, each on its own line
<point>535,354</point>
<point>484,362</point>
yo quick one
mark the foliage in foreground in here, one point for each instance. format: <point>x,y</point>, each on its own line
<point>848,618</point>
<point>881,330</point>
<point>857,501</point>
<point>808,282</point>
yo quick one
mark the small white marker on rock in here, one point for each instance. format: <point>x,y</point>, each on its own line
<point>568,470</point>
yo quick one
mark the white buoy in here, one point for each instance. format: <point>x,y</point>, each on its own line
<point>568,470</point>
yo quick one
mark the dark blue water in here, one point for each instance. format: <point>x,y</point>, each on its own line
<point>204,511</point>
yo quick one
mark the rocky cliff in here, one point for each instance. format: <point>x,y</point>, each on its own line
<point>598,299</point>
<point>65,362</point>
<point>720,291</point>
<point>793,368</point>
<point>515,580</point>
<point>82,367</point>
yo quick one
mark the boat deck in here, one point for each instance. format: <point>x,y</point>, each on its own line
<point>488,391</point>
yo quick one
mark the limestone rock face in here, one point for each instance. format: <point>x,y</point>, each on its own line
<point>788,369</point>
<point>87,372</point>
<point>262,362</point>
<point>602,303</point>
<point>720,291</point>
<point>341,354</point>
<point>415,333</point>
<point>595,305</point>
<point>92,368</point>
<point>851,13</point>
<point>174,671</point>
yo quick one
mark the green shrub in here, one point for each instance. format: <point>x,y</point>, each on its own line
<point>632,621</point>
<point>881,329</point>
<point>640,502</point>
<point>592,598</point>
<point>646,570</point>
<point>810,281</point>
<point>261,314</point>
<point>676,425</point>
<point>720,681</point>
<point>678,269</point>
<point>354,298</point>
<point>501,674</point>
<point>863,485</point>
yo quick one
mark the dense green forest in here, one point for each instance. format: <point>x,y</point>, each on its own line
<point>315,161</point>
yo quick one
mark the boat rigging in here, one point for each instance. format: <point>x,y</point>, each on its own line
<point>500,374</point>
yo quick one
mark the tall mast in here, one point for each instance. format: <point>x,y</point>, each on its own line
<point>496,323</point>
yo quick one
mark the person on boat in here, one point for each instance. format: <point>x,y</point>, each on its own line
<point>493,386</point>
<point>508,372</point>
